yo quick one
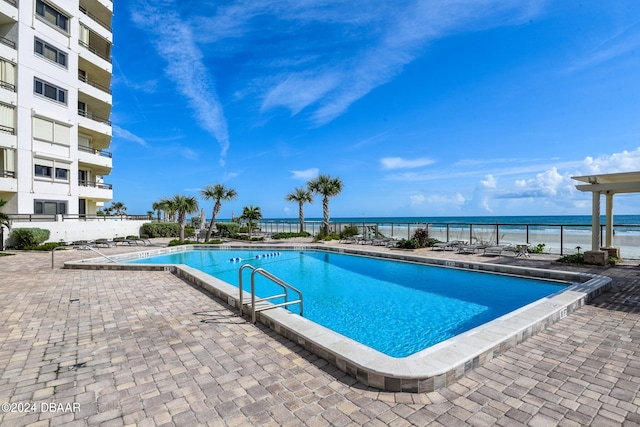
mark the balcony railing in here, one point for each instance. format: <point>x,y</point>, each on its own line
<point>95,51</point>
<point>12,2</point>
<point>91,116</point>
<point>92,16</point>
<point>32,217</point>
<point>7,85</point>
<point>7,129</point>
<point>94,151</point>
<point>8,42</point>
<point>94,184</point>
<point>7,174</point>
<point>94,84</point>
<point>74,217</point>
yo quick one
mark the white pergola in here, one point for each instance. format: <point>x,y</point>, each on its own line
<point>607,184</point>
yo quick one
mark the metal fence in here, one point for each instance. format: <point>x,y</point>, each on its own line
<point>561,239</point>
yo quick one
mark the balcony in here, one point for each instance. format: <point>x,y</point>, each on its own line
<point>94,95</point>
<point>8,10</point>
<point>98,160</point>
<point>8,95</point>
<point>97,12</point>
<point>95,190</point>
<point>95,48</point>
<point>85,79</point>
<point>94,114</point>
<point>7,130</point>
<point>8,181</point>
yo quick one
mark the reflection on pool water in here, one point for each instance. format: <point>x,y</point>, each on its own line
<point>397,308</point>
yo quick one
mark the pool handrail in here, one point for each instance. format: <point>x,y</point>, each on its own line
<point>274,279</point>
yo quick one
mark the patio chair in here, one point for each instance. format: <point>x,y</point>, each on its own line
<point>498,250</point>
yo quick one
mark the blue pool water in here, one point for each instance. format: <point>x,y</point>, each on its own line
<point>397,308</point>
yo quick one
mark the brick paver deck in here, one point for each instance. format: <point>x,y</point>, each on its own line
<point>119,348</point>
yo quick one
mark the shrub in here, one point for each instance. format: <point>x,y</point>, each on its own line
<point>160,229</point>
<point>349,231</point>
<point>22,237</point>
<point>289,235</point>
<point>228,228</point>
<point>421,236</point>
<point>573,259</point>
<point>408,244</point>
<point>176,242</point>
<point>538,249</point>
<point>49,246</point>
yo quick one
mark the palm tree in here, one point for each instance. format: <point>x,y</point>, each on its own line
<point>217,192</point>
<point>166,205</point>
<point>118,208</point>
<point>326,186</point>
<point>251,213</point>
<point>183,205</point>
<point>157,207</point>
<point>5,221</point>
<point>302,196</point>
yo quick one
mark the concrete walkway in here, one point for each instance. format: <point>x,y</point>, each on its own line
<point>145,348</point>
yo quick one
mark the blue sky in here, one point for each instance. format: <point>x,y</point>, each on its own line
<point>421,108</point>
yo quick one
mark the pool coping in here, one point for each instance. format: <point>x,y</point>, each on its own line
<point>425,371</point>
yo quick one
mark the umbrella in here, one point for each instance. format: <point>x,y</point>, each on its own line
<point>203,220</point>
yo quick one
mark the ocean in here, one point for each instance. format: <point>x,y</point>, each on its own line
<point>560,234</point>
<point>523,220</point>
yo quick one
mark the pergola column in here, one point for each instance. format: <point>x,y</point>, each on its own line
<point>609,221</point>
<point>608,184</point>
<point>595,221</point>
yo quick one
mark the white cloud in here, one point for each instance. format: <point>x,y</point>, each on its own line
<point>489,181</point>
<point>364,44</point>
<point>400,163</point>
<point>119,132</point>
<point>417,199</point>
<point>625,161</point>
<point>175,42</point>
<point>306,174</point>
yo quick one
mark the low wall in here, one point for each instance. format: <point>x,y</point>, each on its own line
<point>71,231</point>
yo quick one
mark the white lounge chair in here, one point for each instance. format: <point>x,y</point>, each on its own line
<point>497,250</point>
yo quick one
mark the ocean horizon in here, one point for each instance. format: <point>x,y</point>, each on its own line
<point>497,219</point>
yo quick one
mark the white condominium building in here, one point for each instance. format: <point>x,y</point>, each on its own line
<point>55,104</point>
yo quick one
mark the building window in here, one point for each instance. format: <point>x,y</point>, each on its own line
<point>43,171</point>
<point>51,53</point>
<point>52,16</point>
<point>47,169</point>
<point>62,174</point>
<point>45,129</point>
<point>49,91</point>
<point>49,207</point>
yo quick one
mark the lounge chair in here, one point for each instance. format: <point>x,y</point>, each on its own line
<point>452,245</point>
<point>497,250</point>
<point>104,243</point>
<point>471,249</point>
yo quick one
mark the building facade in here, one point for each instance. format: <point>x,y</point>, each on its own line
<point>55,105</point>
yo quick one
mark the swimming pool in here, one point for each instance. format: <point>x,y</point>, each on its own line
<point>395,307</point>
<point>427,370</point>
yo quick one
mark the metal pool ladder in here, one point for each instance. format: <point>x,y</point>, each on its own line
<point>284,285</point>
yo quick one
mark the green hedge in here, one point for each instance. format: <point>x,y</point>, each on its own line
<point>176,242</point>
<point>23,237</point>
<point>289,235</point>
<point>160,229</point>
